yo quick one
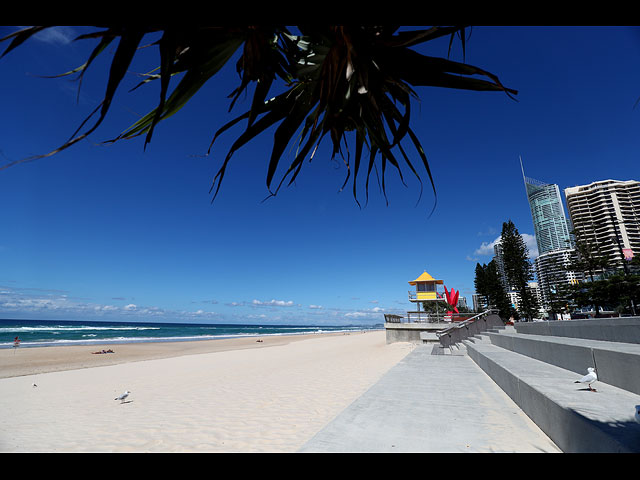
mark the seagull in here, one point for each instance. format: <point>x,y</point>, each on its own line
<point>589,378</point>
<point>637,415</point>
<point>123,396</point>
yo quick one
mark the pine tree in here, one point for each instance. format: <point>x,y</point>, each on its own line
<point>558,293</point>
<point>487,283</point>
<point>589,260</point>
<point>480,282</point>
<point>518,269</point>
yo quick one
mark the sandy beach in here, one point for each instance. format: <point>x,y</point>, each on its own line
<point>229,395</point>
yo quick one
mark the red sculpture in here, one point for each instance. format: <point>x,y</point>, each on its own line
<point>452,299</point>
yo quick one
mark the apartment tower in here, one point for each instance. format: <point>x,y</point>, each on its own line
<point>606,214</point>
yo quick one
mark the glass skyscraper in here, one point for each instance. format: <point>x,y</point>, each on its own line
<point>549,221</point>
<point>555,245</point>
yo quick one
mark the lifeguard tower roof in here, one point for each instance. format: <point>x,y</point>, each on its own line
<point>425,277</point>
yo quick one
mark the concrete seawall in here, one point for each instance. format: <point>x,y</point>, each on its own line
<point>626,329</point>
<point>537,364</point>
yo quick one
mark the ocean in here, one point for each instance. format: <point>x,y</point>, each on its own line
<point>45,333</point>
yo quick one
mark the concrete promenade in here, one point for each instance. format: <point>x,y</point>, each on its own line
<point>433,404</point>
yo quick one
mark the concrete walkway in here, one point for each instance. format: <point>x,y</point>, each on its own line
<point>432,403</point>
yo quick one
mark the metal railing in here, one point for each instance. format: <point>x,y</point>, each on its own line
<point>426,317</point>
<point>465,322</point>
<point>452,334</point>
<point>391,318</point>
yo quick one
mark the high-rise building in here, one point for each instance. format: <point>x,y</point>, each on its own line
<point>553,237</point>
<point>606,215</point>
<point>479,302</point>
<point>462,302</point>
<point>514,296</point>
<point>554,273</point>
<point>498,258</point>
<point>510,290</point>
<point>549,221</point>
<point>535,289</point>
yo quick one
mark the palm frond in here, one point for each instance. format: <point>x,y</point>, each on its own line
<point>338,79</point>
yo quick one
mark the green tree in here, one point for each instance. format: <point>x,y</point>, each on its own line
<point>488,284</point>
<point>558,292</point>
<point>342,82</point>
<point>589,260</point>
<point>437,306</point>
<point>635,263</point>
<point>597,292</point>
<point>561,299</point>
<point>518,269</point>
<point>623,292</point>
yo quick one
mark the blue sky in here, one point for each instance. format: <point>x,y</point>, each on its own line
<point>120,233</point>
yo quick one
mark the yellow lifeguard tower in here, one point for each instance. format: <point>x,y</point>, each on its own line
<point>426,291</point>
<point>420,326</point>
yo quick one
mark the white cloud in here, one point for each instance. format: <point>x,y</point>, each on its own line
<point>530,241</point>
<point>56,35</point>
<point>37,301</point>
<point>372,312</point>
<point>152,311</point>
<point>106,308</point>
<point>487,248</point>
<point>487,232</point>
<point>315,306</point>
<point>357,314</point>
<point>273,303</point>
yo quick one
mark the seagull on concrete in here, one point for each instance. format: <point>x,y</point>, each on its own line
<point>637,415</point>
<point>589,378</point>
<point>123,396</point>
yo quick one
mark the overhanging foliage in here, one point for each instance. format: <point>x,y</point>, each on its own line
<point>349,80</point>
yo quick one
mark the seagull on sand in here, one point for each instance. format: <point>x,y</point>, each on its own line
<point>123,396</point>
<point>589,378</point>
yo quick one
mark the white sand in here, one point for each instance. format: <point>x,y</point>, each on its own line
<point>257,398</point>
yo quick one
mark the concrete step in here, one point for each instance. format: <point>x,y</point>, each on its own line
<point>474,339</point>
<point>458,349</point>
<point>429,337</point>
<point>574,418</point>
<point>625,330</point>
<point>616,363</point>
<point>459,332</point>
